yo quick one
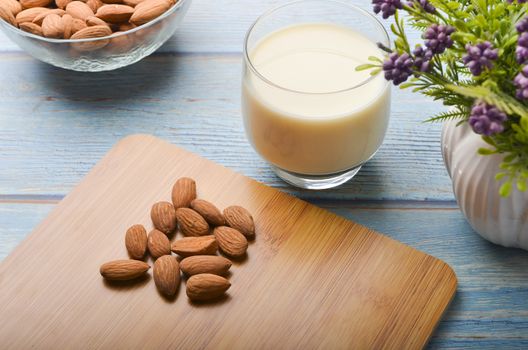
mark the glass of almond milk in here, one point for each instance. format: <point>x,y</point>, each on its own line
<point>306,109</point>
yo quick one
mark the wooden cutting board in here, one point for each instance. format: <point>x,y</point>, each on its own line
<point>311,279</point>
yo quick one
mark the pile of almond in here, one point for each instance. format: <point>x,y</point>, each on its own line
<point>67,19</point>
<point>206,230</point>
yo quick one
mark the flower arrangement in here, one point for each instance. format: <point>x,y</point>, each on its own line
<point>474,58</point>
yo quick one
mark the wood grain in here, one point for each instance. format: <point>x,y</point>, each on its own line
<point>312,279</point>
<point>489,310</point>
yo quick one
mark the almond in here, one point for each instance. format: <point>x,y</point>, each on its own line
<point>206,286</point>
<point>231,241</point>
<point>167,275</point>
<point>132,3</point>
<point>158,244</point>
<point>113,1</point>
<point>183,191</point>
<point>163,217</point>
<point>52,26</point>
<point>11,5</point>
<point>115,13</point>
<point>30,14</point>
<point>188,246</point>
<point>90,32</point>
<point>148,10</point>
<point>77,24</point>
<point>240,219</point>
<point>62,3</point>
<point>78,9</point>
<point>121,44</point>
<point>40,18</point>
<point>123,270</point>
<point>94,21</point>
<point>67,22</point>
<point>194,265</point>
<point>136,241</point>
<point>7,16</point>
<point>94,4</point>
<point>123,27</point>
<point>209,212</point>
<point>191,223</point>
<point>31,28</point>
<point>27,4</point>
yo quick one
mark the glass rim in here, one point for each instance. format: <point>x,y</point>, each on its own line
<point>19,31</point>
<point>340,2</point>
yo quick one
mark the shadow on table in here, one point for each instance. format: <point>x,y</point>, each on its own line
<point>142,80</point>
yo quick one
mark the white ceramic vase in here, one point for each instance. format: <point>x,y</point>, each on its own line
<point>500,220</point>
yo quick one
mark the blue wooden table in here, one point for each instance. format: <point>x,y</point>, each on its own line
<point>55,125</point>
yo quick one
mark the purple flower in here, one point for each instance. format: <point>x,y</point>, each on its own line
<point>522,25</point>
<point>422,58</point>
<point>438,37</point>
<point>398,68</point>
<point>386,7</point>
<point>518,1</point>
<point>486,119</point>
<point>521,83</point>
<point>425,4</point>
<point>479,57</point>
<point>521,52</point>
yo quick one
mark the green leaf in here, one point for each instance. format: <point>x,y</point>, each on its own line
<point>504,102</point>
<point>450,115</point>
<point>393,29</point>
<point>500,9</point>
<point>481,20</point>
<point>505,189</point>
<point>521,185</point>
<point>486,151</point>
<point>511,42</point>
<point>365,66</point>
<point>408,85</point>
<point>453,5</point>
<point>489,141</point>
<point>499,176</point>
<point>509,158</point>
<point>375,71</point>
<point>524,123</point>
<point>400,44</point>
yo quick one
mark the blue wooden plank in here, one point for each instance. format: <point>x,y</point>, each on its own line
<point>16,221</point>
<point>479,343</point>
<point>55,125</point>
<point>490,308</point>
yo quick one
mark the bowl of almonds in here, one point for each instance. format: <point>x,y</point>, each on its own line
<point>91,35</point>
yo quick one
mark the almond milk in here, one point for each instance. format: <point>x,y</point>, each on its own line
<point>306,108</point>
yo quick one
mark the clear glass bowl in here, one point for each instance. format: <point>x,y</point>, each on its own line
<point>101,54</point>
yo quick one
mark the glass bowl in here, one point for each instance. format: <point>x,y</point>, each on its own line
<point>105,53</point>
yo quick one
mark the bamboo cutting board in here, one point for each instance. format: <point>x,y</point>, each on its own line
<point>311,279</point>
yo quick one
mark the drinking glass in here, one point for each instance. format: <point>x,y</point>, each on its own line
<point>324,145</point>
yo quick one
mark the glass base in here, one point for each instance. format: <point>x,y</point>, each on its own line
<point>316,182</point>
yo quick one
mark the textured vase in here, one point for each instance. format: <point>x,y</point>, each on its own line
<point>500,220</point>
